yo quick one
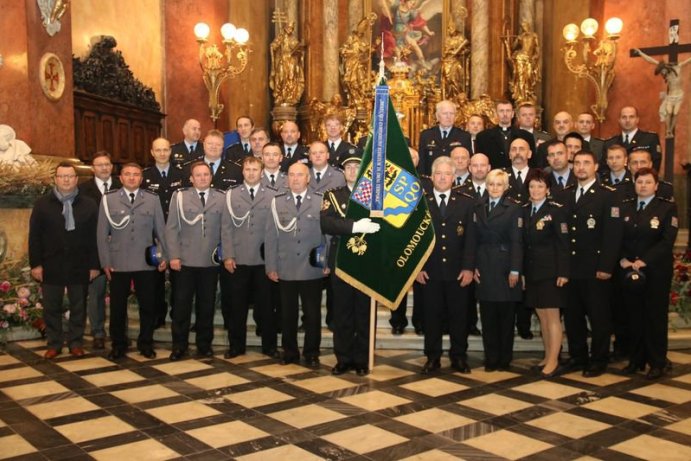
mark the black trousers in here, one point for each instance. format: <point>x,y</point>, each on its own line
<point>144,290</point>
<point>621,315</point>
<point>161,309</point>
<point>53,297</point>
<point>309,293</point>
<point>249,284</point>
<point>272,317</point>
<point>497,332</point>
<point>198,284</point>
<point>446,307</point>
<point>472,307</point>
<point>648,314</point>
<point>226,284</point>
<point>351,323</point>
<point>398,317</point>
<point>588,298</point>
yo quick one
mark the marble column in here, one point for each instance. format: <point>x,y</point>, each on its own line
<point>479,47</point>
<point>330,57</point>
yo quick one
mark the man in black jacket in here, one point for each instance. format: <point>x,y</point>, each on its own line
<point>441,139</point>
<point>494,142</point>
<point>63,254</point>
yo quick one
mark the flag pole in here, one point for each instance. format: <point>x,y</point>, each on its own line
<point>372,332</point>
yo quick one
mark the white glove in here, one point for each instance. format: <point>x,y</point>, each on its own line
<point>365,226</point>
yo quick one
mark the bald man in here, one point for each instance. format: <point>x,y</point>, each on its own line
<point>293,151</point>
<point>562,124</point>
<point>190,148</point>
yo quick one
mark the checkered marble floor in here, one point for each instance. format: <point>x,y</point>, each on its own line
<point>252,408</point>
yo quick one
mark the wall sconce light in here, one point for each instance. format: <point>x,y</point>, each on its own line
<point>217,66</point>
<point>597,65</point>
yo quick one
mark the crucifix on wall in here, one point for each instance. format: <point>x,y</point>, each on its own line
<point>671,71</point>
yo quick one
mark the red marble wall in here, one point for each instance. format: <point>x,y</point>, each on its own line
<point>646,25</point>
<point>47,126</point>
<point>185,94</point>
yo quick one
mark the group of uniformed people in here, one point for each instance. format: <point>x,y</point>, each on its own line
<point>513,239</point>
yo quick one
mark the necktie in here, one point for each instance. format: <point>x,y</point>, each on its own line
<point>444,134</point>
<point>518,177</point>
<point>289,152</point>
<point>641,205</point>
<point>192,149</point>
<point>246,147</point>
<point>458,180</point>
<point>251,193</point>
<point>333,147</point>
<point>561,181</point>
<point>534,211</point>
<point>616,180</point>
<point>273,180</point>
<point>131,197</point>
<point>201,197</point>
<point>479,191</point>
<point>163,174</point>
<point>473,142</point>
<point>211,165</point>
<point>442,205</point>
<point>492,204</point>
<point>319,176</point>
<point>105,187</point>
<point>581,191</point>
<point>298,201</point>
<point>626,139</point>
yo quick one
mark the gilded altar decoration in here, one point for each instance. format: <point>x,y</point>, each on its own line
<point>356,65</point>
<point>51,75</point>
<point>51,13</point>
<point>287,77</point>
<point>455,63</point>
<point>405,97</point>
<point>484,106</point>
<point>320,111</point>
<point>523,57</point>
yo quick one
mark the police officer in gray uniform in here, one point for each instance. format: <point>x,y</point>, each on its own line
<point>247,209</point>
<point>291,234</point>
<point>272,176</point>
<point>323,177</point>
<point>129,219</point>
<point>193,233</point>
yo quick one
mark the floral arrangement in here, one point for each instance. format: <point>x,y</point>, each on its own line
<point>19,299</point>
<point>680,294</point>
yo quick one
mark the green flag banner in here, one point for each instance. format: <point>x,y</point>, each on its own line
<point>383,265</point>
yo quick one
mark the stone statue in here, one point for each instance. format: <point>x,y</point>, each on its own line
<point>356,63</point>
<point>14,151</point>
<point>672,99</point>
<point>287,78</point>
<point>454,63</point>
<point>523,56</point>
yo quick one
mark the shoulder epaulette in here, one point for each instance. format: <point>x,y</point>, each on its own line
<point>512,200</point>
<point>281,194</point>
<point>665,199</point>
<point>662,181</point>
<point>268,186</point>
<point>320,194</point>
<point>235,186</point>
<point>629,200</point>
<point>466,194</point>
<point>149,192</point>
<point>555,204</point>
<point>111,191</point>
<point>609,188</point>
<point>148,168</point>
<point>526,205</point>
<point>221,191</point>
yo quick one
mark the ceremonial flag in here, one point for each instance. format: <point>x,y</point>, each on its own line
<point>383,265</point>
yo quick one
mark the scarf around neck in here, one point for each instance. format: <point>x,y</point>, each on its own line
<point>66,201</point>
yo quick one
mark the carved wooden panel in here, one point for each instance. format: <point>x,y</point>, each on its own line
<point>121,129</point>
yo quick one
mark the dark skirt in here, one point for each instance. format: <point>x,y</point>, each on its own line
<point>545,294</point>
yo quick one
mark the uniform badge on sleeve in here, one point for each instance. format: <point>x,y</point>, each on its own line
<point>564,228</point>
<point>615,212</point>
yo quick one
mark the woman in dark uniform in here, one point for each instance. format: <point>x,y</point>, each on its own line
<point>546,245</point>
<point>499,261</point>
<point>650,229</point>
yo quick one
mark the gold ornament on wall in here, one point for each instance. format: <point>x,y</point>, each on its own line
<point>51,75</point>
<point>51,13</point>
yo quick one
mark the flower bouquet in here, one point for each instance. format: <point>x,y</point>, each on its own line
<point>680,293</point>
<point>20,298</point>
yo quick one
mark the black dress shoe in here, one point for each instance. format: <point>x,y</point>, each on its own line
<point>148,353</point>
<point>397,331</point>
<point>176,355</point>
<point>594,372</point>
<point>633,368</point>
<point>340,368</point>
<point>655,373</point>
<point>430,366</point>
<point>474,331</point>
<point>537,368</point>
<point>116,354</point>
<point>503,367</point>
<point>361,371</point>
<point>205,352</point>
<point>312,362</point>
<point>490,368</point>
<point>419,331</point>
<point>558,371</point>
<point>460,366</point>
<point>574,365</point>
<point>526,334</point>
<point>99,343</point>
<point>231,354</point>
<point>287,360</point>
<point>273,353</point>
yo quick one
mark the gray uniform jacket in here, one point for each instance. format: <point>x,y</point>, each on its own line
<point>244,230</point>
<point>124,233</point>
<point>281,180</point>
<point>194,234</point>
<point>287,250</point>
<point>331,179</point>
